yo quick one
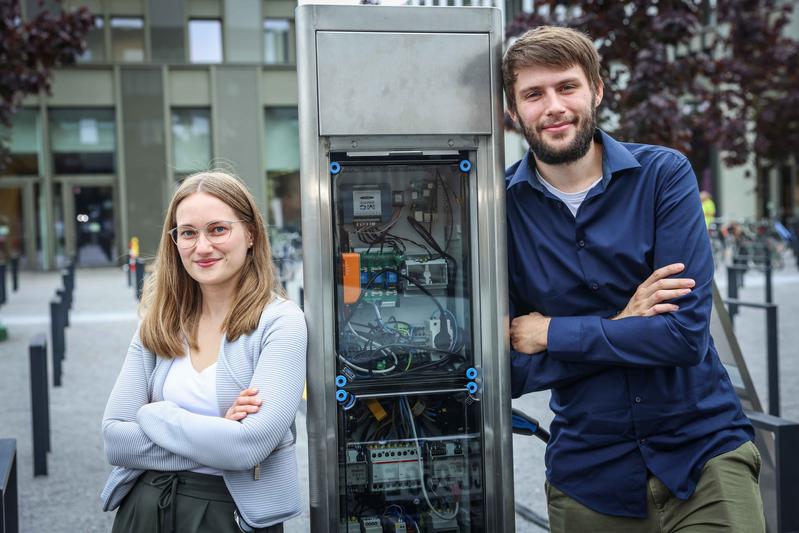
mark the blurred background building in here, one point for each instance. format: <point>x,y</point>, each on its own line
<point>166,88</point>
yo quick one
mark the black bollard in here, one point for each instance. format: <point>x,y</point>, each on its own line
<point>768,268</point>
<point>40,406</point>
<point>732,290</point>
<point>2,283</point>
<point>773,360</point>
<point>139,278</point>
<point>129,271</point>
<point>62,295</point>
<point>9,502</point>
<point>15,273</point>
<point>68,280</point>
<point>56,339</point>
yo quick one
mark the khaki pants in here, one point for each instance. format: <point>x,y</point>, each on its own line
<point>727,499</point>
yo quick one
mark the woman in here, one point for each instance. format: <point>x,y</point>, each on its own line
<point>200,423</point>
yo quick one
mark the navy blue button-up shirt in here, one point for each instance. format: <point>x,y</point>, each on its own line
<point>633,396</point>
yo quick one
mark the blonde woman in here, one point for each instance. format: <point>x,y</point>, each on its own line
<point>200,423</point>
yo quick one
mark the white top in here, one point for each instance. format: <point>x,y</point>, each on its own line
<point>193,391</point>
<point>571,199</point>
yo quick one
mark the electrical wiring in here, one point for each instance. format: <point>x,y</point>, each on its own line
<point>368,370</point>
<point>409,414</point>
<point>449,228</point>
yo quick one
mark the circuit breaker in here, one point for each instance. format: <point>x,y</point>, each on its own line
<point>405,295</point>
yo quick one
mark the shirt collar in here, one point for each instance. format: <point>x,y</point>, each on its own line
<point>615,158</point>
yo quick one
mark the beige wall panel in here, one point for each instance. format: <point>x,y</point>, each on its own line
<point>237,126</point>
<point>738,197</point>
<point>189,88</point>
<point>279,8</point>
<point>30,101</point>
<point>82,88</point>
<point>279,88</point>
<point>204,8</point>
<point>125,7</point>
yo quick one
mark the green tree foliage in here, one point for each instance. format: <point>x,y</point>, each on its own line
<point>29,50</point>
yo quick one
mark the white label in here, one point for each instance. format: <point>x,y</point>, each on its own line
<point>366,203</point>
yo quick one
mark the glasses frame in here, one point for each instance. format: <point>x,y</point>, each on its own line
<point>173,233</point>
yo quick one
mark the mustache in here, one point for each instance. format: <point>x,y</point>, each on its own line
<point>570,120</point>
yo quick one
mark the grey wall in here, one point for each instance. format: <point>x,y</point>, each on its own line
<point>243,28</point>
<point>237,123</point>
<point>145,152</point>
<point>167,31</point>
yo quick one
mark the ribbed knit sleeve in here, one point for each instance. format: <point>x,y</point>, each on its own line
<point>279,375</point>
<point>125,442</point>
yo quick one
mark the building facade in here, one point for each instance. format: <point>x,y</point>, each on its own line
<point>163,90</point>
<point>169,88</point>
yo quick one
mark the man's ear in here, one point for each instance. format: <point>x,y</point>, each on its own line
<point>599,94</point>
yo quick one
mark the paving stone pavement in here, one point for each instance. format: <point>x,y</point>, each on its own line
<point>103,320</point>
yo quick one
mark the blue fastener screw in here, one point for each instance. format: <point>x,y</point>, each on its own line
<point>335,168</point>
<point>341,395</point>
<point>465,165</point>
<point>471,387</point>
<point>471,373</point>
<point>341,381</point>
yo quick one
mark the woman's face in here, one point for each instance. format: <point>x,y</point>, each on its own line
<point>211,264</point>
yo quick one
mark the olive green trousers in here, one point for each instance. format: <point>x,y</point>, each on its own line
<point>179,502</point>
<point>726,500</point>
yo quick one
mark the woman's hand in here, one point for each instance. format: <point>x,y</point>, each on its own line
<point>246,404</point>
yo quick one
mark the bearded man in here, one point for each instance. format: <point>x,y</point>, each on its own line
<point>648,433</point>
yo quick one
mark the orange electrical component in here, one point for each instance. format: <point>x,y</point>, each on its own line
<point>377,409</point>
<point>351,269</point>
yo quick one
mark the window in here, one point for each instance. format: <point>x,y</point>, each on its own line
<point>205,41</point>
<point>95,43</point>
<point>24,143</point>
<point>191,140</point>
<point>83,141</point>
<point>278,41</point>
<point>282,166</point>
<point>127,39</point>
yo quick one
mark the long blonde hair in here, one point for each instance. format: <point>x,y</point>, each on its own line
<point>172,302</point>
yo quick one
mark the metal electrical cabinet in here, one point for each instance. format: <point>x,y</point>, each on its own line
<point>404,262</point>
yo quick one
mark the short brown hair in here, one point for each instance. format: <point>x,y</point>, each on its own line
<point>549,46</point>
<point>172,301</point>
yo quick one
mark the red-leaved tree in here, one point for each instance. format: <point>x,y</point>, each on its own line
<point>682,75</point>
<point>30,50</point>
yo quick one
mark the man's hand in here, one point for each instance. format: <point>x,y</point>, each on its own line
<point>658,288</point>
<point>246,404</point>
<point>528,334</point>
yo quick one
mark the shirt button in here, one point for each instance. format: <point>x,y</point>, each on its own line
<point>637,399</point>
<point>581,244</point>
<point>595,286</point>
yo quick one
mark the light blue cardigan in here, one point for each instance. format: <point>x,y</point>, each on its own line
<point>143,432</point>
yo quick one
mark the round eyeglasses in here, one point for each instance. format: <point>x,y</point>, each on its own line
<point>216,232</point>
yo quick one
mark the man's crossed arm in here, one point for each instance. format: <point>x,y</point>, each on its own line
<point>528,333</point>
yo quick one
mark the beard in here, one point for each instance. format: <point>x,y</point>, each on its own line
<point>577,148</point>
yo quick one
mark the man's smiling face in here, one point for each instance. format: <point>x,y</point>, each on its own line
<point>556,109</point>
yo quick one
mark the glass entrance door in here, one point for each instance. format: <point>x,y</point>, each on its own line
<point>93,218</point>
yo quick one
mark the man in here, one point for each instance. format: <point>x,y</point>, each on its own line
<point>648,433</point>
<point>708,207</point>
